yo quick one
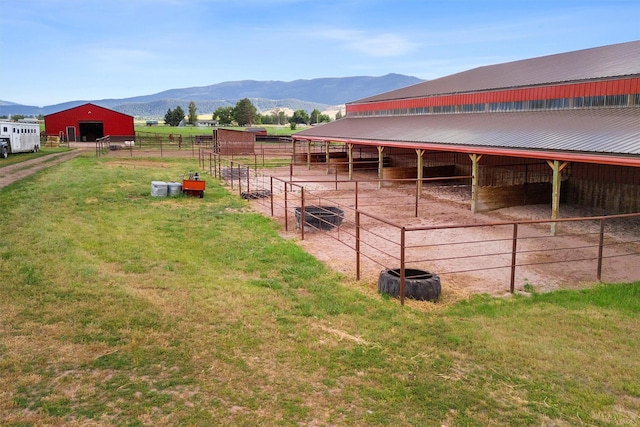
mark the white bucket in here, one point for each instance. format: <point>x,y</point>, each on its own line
<point>174,188</point>
<point>158,189</point>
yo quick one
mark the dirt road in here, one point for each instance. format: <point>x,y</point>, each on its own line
<point>18,171</point>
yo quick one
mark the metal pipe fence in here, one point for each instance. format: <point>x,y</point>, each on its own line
<point>512,246</point>
<point>498,252</point>
<point>102,145</point>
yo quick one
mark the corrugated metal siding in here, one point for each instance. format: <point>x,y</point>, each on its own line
<point>607,61</point>
<point>607,131</point>
<point>609,87</point>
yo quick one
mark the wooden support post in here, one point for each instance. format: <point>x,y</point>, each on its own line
<point>350,153</point>
<point>309,154</point>
<point>555,193</point>
<point>475,159</point>
<point>380,165</point>
<point>326,155</point>
<point>420,173</point>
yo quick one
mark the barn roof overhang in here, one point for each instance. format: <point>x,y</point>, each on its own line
<point>602,136</point>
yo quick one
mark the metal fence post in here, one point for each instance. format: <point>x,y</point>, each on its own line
<point>402,267</point>
<point>271,192</point>
<point>231,172</point>
<point>514,249</point>
<point>286,209</point>
<point>600,249</point>
<point>357,244</point>
<point>302,213</point>
<point>248,178</point>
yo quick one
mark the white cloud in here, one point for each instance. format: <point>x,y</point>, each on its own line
<point>377,45</point>
<point>383,45</point>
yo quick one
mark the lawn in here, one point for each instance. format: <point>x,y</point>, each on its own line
<point>118,308</point>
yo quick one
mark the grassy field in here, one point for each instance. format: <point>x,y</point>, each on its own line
<point>118,308</point>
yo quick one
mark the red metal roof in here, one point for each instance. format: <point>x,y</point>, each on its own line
<point>606,135</point>
<point>596,63</point>
<point>89,105</point>
<point>599,135</point>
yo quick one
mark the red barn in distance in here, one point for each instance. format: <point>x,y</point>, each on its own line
<point>88,122</point>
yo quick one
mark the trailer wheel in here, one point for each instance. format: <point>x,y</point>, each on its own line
<point>4,153</point>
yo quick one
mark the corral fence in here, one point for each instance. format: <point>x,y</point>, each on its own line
<point>152,144</point>
<point>102,145</point>
<point>496,253</point>
<point>156,144</point>
<point>514,246</point>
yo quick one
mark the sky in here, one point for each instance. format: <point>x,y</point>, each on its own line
<point>54,51</point>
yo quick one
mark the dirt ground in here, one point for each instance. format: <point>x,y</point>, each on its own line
<point>468,260</point>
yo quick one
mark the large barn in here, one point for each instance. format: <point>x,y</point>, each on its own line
<point>88,122</point>
<point>563,127</point>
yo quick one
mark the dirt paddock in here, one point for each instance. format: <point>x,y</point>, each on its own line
<point>468,260</point>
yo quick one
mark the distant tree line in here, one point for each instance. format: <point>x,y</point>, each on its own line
<point>16,117</point>
<point>245,114</point>
<point>174,117</point>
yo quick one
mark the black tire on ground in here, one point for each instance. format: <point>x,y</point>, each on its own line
<point>202,194</point>
<point>418,284</point>
<point>4,153</point>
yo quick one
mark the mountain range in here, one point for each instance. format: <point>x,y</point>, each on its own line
<point>321,94</point>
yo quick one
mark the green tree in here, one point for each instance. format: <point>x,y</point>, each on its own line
<point>174,117</point>
<point>300,117</point>
<point>264,119</point>
<point>282,118</point>
<point>168,118</point>
<point>245,112</point>
<point>318,117</point>
<point>193,116</point>
<point>275,118</point>
<point>339,115</point>
<point>315,116</point>
<point>178,115</point>
<point>224,115</point>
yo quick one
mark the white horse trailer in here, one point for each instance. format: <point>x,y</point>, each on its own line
<point>18,137</point>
